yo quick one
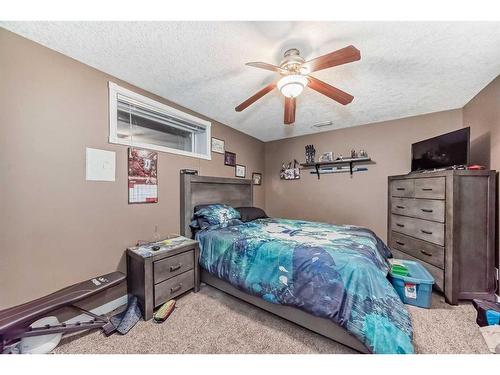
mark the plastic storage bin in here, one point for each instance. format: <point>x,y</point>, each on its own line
<point>415,288</point>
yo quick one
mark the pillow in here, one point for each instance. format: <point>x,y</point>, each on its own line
<point>251,213</point>
<point>217,214</point>
<point>201,224</point>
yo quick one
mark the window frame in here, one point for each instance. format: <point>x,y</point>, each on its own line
<point>116,90</point>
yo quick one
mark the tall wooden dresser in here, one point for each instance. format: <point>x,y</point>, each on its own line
<point>446,220</point>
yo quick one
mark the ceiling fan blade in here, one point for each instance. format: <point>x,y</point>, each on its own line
<point>330,91</point>
<point>339,57</point>
<point>289,110</point>
<point>266,66</point>
<point>255,97</point>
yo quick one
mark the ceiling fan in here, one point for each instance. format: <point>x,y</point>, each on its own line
<point>295,77</point>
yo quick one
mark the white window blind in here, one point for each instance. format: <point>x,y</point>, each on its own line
<point>139,121</point>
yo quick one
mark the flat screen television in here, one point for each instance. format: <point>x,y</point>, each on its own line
<point>440,152</point>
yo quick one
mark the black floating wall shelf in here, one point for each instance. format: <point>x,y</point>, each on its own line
<point>324,167</point>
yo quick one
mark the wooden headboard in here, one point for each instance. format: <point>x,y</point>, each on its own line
<point>195,190</point>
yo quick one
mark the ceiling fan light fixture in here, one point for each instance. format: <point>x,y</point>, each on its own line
<point>292,85</point>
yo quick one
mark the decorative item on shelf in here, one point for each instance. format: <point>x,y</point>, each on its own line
<point>230,159</point>
<point>217,145</point>
<point>257,178</point>
<point>340,164</point>
<point>240,171</point>
<point>142,176</point>
<point>310,154</point>
<point>290,172</point>
<point>326,156</point>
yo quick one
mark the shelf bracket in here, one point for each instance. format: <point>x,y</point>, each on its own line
<point>350,167</point>
<point>317,170</point>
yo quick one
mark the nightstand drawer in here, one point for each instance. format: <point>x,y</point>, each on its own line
<point>402,188</point>
<point>423,250</point>
<point>432,188</point>
<point>418,228</point>
<point>428,209</point>
<point>169,267</point>
<point>173,287</point>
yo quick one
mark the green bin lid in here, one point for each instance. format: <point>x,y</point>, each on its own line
<point>417,273</point>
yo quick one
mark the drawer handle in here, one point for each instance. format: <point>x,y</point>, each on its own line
<point>427,210</point>
<point>400,243</point>
<point>400,188</point>
<point>176,267</point>
<point>426,253</point>
<point>402,207</point>
<point>425,231</point>
<point>427,189</point>
<point>176,288</point>
<point>400,225</point>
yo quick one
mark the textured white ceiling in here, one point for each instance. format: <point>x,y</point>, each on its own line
<point>406,69</point>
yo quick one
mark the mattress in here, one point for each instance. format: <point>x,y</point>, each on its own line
<point>330,271</point>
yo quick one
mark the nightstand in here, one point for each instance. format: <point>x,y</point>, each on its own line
<point>158,276</point>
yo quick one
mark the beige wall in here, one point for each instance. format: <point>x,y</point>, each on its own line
<point>482,114</point>
<point>338,198</point>
<point>56,228</point>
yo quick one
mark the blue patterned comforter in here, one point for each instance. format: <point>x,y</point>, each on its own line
<point>330,271</point>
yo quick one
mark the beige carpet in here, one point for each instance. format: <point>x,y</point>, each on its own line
<point>214,322</point>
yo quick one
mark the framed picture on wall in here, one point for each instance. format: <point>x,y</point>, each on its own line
<point>230,159</point>
<point>217,145</point>
<point>240,171</point>
<point>257,178</point>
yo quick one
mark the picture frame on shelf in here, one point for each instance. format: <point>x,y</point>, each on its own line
<point>218,145</point>
<point>230,159</point>
<point>240,170</point>
<point>257,178</point>
<point>326,157</point>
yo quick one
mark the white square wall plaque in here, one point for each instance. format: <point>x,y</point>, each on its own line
<point>100,165</point>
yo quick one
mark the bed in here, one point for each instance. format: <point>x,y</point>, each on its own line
<point>329,279</point>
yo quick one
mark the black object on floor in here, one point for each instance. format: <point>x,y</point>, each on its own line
<point>124,321</point>
<point>488,313</point>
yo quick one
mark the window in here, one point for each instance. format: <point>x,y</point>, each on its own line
<point>138,121</point>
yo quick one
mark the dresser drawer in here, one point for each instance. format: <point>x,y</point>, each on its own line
<point>427,209</point>
<point>423,250</point>
<point>169,267</point>
<point>402,188</point>
<point>418,228</point>
<point>437,273</point>
<point>432,188</point>
<point>173,287</point>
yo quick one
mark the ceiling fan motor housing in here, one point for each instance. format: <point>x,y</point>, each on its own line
<point>292,60</point>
